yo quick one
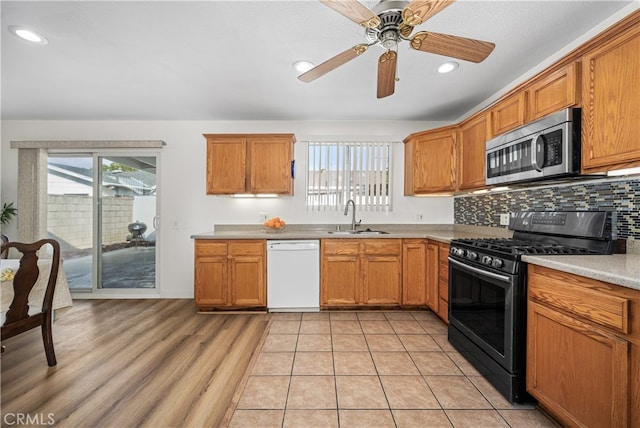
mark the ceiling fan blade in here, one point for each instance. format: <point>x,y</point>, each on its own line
<point>333,63</point>
<point>355,11</point>
<point>387,73</point>
<point>453,46</point>
<point>418,11</point>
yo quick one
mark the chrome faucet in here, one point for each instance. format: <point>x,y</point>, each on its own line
<point>353,216</point>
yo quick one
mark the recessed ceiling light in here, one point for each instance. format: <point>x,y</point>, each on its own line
<point>302,66</point>
<point>28,34</point>
<point>447,67</point>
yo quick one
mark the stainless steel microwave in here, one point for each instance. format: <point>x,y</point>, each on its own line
<point>546,148</point>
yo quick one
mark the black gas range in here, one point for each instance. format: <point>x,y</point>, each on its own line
<point>488,287</point>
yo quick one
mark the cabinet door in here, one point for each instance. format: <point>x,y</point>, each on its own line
<point>430,162</point>
<point>247,270</point>
<point>432,276</point>
<point>611,104</point>
<point>577,371</point>
<point>443,279</point>
<point>340,280</point>
<point>381,280</point>
<point>226,165</point>
<point>414,272</point>
<point>210,281</point>
<point>554,92</point>
<point>270,165</point>
<point>508,114</point>
<point>472,168</point>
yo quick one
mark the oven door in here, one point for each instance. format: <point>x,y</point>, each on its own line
<point>481,307</point>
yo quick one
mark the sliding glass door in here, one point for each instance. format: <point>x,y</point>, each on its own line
<point>102,209</point>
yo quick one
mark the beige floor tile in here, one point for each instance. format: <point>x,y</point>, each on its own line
<point>408,392</point>
<point>435,363</point>
<point>312,392</point>
<point>315,327</point>
<point>407,327</point>
<point>476,418</point>
<point>394,364</point>
<point>443,342</point>
<point>256,418</point>
<point>353,363</point>
<point>434,326</point>
<point>273,363</point>
<point>360,392</point>
<point>424,315</point>
<point>286,316</point>
<point>384,342</point>
<point>264,392</point>
<point>366,419</point>
<point>398,316</point>
<point>456,392</point>
<point>284,327</point>
<point>343,316</point>
<point>371,316</point>
<point>315,316</point>
<point>349,342</point>
<point>280,343</point>
<point>345,327</point>
<point>527,419</point>
<point>311,419</point>
<point>376,327</point>
<point>419,342</point>
<point>496,399</point>
<point>314,342</point>
<point>313,363</point>
<point>421,418</point>
<point>464,365</point>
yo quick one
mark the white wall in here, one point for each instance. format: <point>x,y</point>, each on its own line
<point>185,209</point>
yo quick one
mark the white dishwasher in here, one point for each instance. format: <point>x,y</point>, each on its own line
<point>293,276</point>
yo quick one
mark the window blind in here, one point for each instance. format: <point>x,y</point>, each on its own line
<point>339,171</point>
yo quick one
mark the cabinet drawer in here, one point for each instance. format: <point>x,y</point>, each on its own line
<point>210,248</point>
<point>342,247</point>
<point>565,292</point>
<point>382,246</point>
<point>249,248</point>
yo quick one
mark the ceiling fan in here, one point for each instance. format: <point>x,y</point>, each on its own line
<point>390,22</point>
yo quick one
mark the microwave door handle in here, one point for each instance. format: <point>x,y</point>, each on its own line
<point>537,140</point>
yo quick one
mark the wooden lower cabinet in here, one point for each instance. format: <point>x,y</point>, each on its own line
<point>583,349</point>
<point>361,272</point>
<point>230,274</point>
<point>443,281</point>
<point>420,273</point>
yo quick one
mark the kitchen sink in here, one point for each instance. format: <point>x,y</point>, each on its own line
<point>342,232</point>
<point>357,232</point>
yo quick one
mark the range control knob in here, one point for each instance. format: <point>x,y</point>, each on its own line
<point>497,263</point>
<point>472,255</point>
<point>486,260</point>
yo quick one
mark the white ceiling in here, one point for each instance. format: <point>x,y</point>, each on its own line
<point>231,60</point>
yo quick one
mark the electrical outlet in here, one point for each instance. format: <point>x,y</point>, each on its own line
<point>419,217</point>
<point>263,217</point>
<point>504,219</point>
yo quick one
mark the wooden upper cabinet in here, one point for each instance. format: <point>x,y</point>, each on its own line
<point>611,104</point>
<point>508,114</point>
<point>555,91</point>
<point>472,147</point>
<point>249,163</point>
<point>430,161</point>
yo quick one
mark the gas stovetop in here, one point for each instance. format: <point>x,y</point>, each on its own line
<point>540,233</point>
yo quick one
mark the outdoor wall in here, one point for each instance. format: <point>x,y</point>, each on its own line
<point>69,219</point>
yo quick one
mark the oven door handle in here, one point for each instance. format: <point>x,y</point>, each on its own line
<point>492,275</point>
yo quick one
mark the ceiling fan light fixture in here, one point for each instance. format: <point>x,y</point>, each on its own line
<point>302,66</point>
<point>28,35</point>
<point>447,67</point>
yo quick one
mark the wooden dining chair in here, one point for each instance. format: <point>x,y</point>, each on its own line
<point>4,253</point>
<point>18,319</point>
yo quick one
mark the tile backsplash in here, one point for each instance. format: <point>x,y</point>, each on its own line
<point>622,196</point>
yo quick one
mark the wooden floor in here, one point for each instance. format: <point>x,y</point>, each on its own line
<point>125,363</point>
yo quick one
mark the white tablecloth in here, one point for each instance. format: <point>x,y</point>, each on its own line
<point>61,296</point>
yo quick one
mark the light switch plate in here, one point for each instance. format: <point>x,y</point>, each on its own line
<point>504,219</point>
